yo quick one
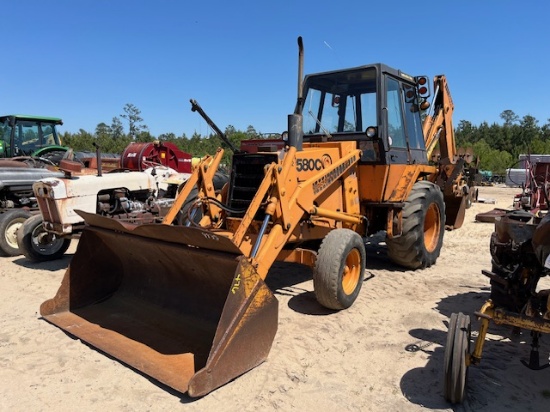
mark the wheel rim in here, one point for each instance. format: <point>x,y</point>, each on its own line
<point>44,242</point>
<point>11,232</point>
<point>350,277</point>
<point>432,227</point>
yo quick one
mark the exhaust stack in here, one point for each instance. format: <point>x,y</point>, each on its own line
<point>295,121</point>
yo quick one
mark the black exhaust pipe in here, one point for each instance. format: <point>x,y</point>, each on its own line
<point>98,158</point>
<point>295,121</point>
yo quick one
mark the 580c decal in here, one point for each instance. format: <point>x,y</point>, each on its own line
<point>307,165</point>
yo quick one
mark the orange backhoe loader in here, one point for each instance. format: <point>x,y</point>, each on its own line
<point>187,304</point>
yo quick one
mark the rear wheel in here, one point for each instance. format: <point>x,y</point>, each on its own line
<point>10,222</point>
<point>338,272</point>
<point>456,351</point>
<point>39,245</point>
<point>423,217</point>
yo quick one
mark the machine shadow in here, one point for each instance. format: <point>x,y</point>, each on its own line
<point>377,254</point>
<point>284,279</point>
<point>52,265</point>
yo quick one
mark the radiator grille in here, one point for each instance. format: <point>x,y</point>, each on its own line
<point>247,174</point>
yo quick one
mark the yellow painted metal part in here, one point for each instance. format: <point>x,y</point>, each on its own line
<point>203,175</point>
<point>489,312</point>
<point>390,183</point>
<point>440,124</point>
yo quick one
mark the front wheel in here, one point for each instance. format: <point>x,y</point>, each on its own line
<point>339,269</point>
<point>10,222</point>
<point>423,222</point>
<point>39,245</point>
<point>456,351</point>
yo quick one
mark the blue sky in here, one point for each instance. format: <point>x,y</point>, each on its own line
<point>83,60</point>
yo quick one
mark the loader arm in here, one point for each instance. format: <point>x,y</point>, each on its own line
<point>286,200</point>
<point>203,178</point>
<point>289,209</point>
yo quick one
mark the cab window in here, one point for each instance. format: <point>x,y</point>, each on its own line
<point>396,129</point>
<point>413,120</point>
<point>342,102</point>
<point>5,135</point>
<point>26,138</point>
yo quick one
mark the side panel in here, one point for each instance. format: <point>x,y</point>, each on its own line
<point>389,183</point>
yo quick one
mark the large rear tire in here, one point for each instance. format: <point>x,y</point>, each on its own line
<point>339,269</point>
<point>456,351</point>
<point>37,244</point>
<point>420,243</point>
<point>10,223</point>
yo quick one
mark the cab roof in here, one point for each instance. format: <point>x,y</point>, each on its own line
<point>55,120</point>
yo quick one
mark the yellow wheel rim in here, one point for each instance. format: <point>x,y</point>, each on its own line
<point>432,228</point>
<point>352,269</point>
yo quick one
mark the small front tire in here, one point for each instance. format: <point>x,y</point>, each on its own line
<point>339,269</point>
<point>37,244</point>
<point>10,223</point>
<point>456,351</point>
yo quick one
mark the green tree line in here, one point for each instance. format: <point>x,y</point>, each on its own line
<point>497,146</point>
<point>113,139</point>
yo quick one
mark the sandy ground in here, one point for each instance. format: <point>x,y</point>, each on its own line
<point>385,353</point>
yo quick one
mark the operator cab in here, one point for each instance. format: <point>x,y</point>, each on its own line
<point>375,105</point>
<point>22,135</point>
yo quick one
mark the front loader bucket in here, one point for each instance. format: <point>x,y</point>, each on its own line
<point>179,304</point>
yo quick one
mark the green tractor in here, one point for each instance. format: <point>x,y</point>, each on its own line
<point>30,136</point>
<point>28,145</point>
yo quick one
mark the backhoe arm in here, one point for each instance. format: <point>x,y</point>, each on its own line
<point>438,125</point>
<point>438,129</point>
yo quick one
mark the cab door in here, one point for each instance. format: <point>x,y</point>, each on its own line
<point>404,125</point>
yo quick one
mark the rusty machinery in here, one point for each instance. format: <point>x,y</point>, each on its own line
<point>534,197</point>
<point>520,252</point>
<point>139,186</point>
<point>188,305</point>
<point>536,189</point>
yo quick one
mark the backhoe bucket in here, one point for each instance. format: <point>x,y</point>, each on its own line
<point>179,304</point>
<point>455,211</point>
